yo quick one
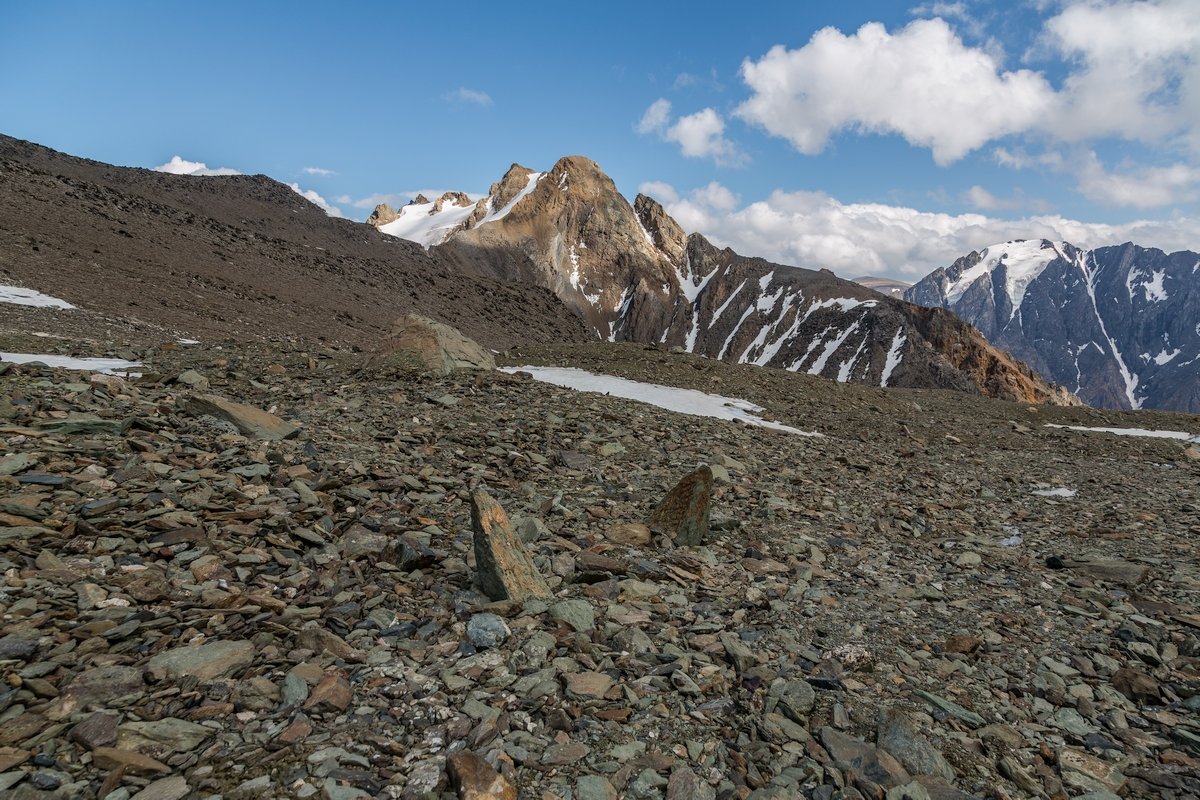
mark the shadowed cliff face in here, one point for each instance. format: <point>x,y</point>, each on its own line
<point>633,275</point>
<point>1117,325</point>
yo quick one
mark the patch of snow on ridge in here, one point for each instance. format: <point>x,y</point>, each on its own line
<point>893,357</point>
<point>419,223</point>
<point>19,296</point>
<point>1057,491</point>
<point>1154,289</point>
<point>683,401</point>
<point>106,365</point>
<point>692,290</point>
<point>1166,358</point>
<point>534,177</point>
<point>717,314</point>
<point>1187,437</point>
<point>1023,262</point>
<point>830,348</point>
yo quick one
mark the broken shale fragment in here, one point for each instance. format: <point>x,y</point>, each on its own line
<point>504,568</point>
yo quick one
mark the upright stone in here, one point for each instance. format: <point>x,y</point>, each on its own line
<point>683,513</point>
<point>503,566</point>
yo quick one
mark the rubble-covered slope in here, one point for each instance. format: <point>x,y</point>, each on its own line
<point>914,602</point>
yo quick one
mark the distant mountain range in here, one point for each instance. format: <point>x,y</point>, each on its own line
<point>889,286</point>
<point>633,274</point>
<point>1119,326</point>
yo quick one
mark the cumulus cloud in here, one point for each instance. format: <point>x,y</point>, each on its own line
<point>699,135</point>
<point>920,82</point>
<point>812,229</point>
<point>656,117</point>
<point>1131,74</point>
<point>660,191</point>
<point>464,95</point>
<point>181,166</point>
<point>1139,186</point>
<point>1134,73</point>
<point>316,199</point>
<point>319,171</point>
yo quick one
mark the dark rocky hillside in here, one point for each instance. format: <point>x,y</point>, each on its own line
<point>235,256</point>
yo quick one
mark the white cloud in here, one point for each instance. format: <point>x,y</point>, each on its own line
<point>1132,74</point>
<point>319,171</point>
<point>181,166</point>
<point>316,199</point>
<point>1139,186</point>
<point>812,229</point>
<point>921,82</point>
<point>660,191</point>
<point>1135,74</point>
<point>699,135</point>
<point>656,117</point>
<point>464,95</point>
<point>702,135</point>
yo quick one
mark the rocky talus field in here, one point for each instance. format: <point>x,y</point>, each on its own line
<point>253,572</point>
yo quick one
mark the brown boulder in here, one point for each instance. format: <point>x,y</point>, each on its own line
<point>432,345</point>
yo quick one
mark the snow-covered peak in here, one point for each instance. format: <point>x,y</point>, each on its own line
<point>429,223</point>
<point>432,223</point>
<point>1023,261</point>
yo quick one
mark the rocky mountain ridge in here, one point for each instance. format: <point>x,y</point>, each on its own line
<point>241,256</point>
<point>1119,326</point>
<point>634,275</point>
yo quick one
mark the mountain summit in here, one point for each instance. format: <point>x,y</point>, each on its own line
<point>633,274</point>
<point>1117,325</point>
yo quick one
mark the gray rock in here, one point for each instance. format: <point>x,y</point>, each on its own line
<point>486,631</point>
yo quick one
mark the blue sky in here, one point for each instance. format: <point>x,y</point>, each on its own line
<point>869,137</point>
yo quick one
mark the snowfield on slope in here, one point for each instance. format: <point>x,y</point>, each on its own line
<point>682,401</point>
<point>107,365</point>
<point>1023,261</point>
<point>19,296</point>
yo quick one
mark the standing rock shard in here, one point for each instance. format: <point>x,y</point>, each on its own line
<point>504,568</point>
<point>683,513</point>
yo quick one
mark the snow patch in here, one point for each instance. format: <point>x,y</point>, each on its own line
<point>893,357</point>
<point>690,289</point>
<point>717,315</point>
<point>831,348</point>
<point>1166,358</point>
<point>1130,379</point>
<point>420,223</point>
<point>494,216</point>
<point>19,296</point>
<point>106,365</point>
<point>1023,262</point>
<point>847,368</point>
<point>1187,437</point>
<point>683,401</point>
<point>1154,289</point>
<point>1057,491</point>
